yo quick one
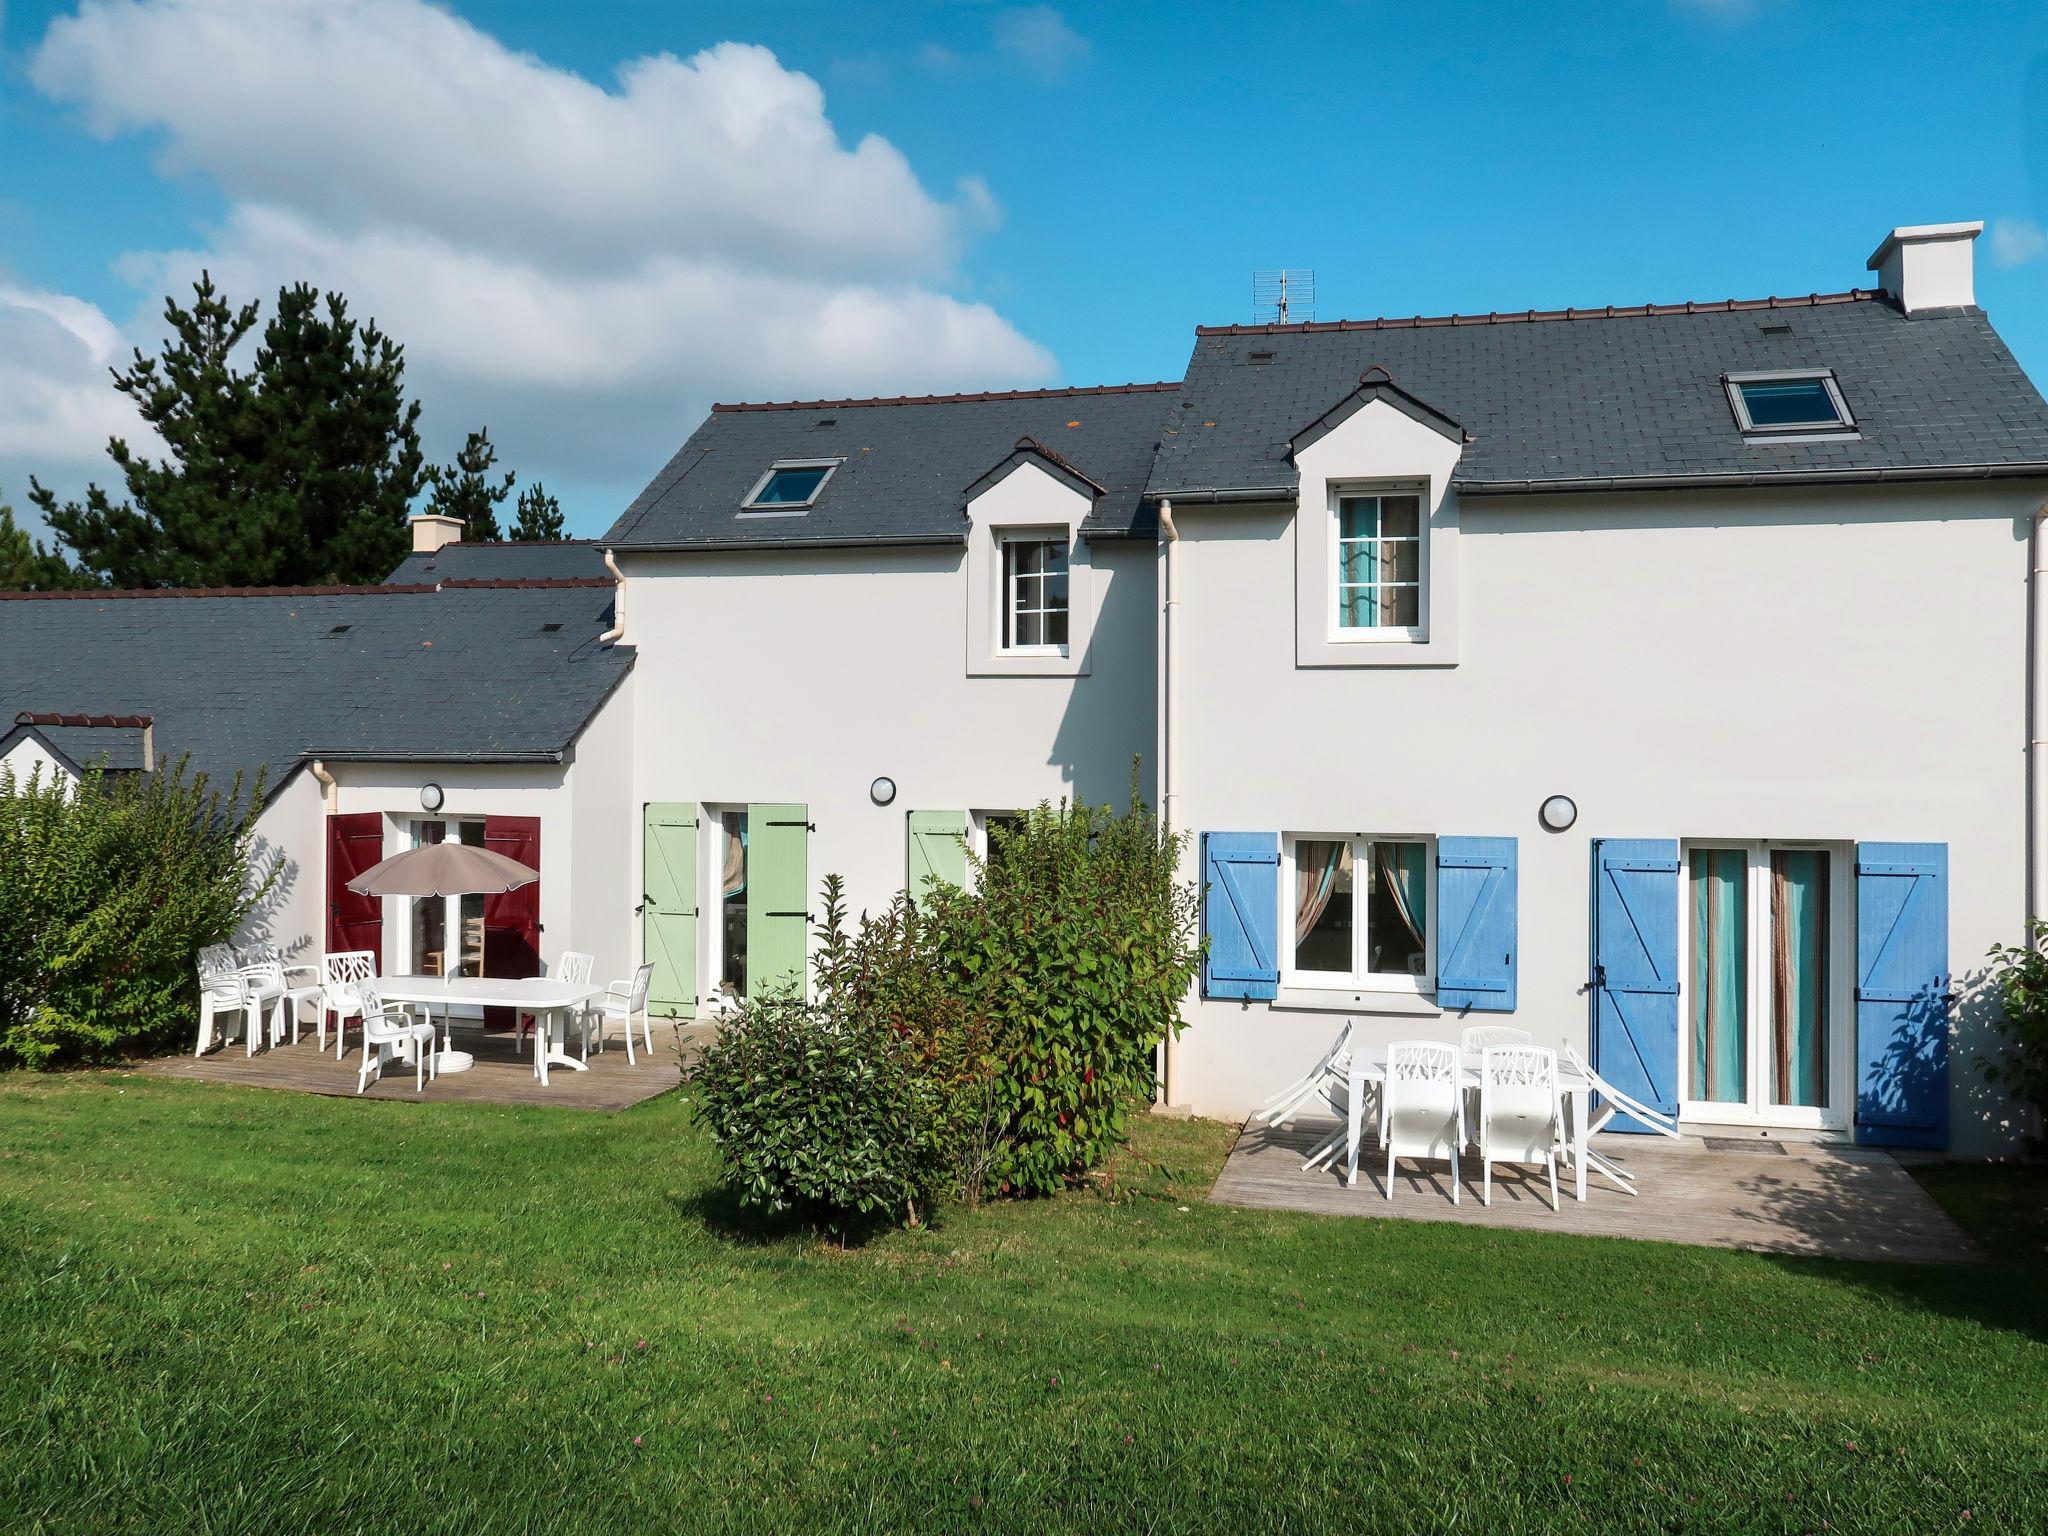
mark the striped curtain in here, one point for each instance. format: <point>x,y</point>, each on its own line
<point>1720,974</point>
<point>1799,976</point>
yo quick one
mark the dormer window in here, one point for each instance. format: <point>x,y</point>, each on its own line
<point>791,485</point>
<point>1788,402</point>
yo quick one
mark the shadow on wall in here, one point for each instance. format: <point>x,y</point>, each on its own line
<point>1983,1119</point>
<point>260,926</point>
<point>1110,711</point>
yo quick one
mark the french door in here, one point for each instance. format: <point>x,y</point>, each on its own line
<point>1764,1030</point>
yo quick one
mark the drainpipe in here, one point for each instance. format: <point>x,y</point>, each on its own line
<point>618,630</point>
<point>329,796</point>
<point>2037,717</point>
<point>1169,759</point>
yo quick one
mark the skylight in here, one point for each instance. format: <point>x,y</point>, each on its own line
<point>1788,402</point>
<point>790,486</point>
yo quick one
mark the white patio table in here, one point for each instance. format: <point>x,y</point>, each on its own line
<point>1573,1087</point>
<point>546,999</point>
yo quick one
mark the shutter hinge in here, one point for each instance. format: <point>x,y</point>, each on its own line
<point>804,915</point>
<point>808,826</point>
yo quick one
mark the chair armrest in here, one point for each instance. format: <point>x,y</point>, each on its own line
<point>618,989</point>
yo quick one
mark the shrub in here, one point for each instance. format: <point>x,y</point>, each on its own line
<point>108,890</point>
<point>1077,944</point>
<point>2020,975</point>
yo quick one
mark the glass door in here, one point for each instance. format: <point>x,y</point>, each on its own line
<point>1766,1017</point>
<point>444,934</point>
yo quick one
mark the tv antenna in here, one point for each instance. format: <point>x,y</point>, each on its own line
<point>1284,296</point>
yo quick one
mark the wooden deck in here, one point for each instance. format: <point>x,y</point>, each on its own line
<point>499,1077</point>
<point>1770,1196</point>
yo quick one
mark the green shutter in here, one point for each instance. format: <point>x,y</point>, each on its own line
<point>668,913</point>
<point>937,849</point>
<point>778,888</point>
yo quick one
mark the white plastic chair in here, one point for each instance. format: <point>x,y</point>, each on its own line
<point>1477,1037</point>
<point>1614,1102</point>
<point>574,967</point>
<point>1519,1120</point>
<point>624,1000</point>
<point>1422,1106</point>
<point>301,982</point>
<point>220,991</point>
<point>1282,1107</point>
<point>263,993</point>
<point>341,977</point>
<point>386,1026</point>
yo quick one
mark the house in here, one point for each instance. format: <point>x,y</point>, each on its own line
<point>379,717</point>
<point>1661,678</point>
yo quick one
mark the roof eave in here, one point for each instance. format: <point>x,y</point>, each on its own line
<point>859,541</point>
<point>1756,478</point>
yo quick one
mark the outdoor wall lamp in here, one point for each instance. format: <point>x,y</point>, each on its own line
<point>431,797</point>
<point>1558,813</point>
<point>883,790</point>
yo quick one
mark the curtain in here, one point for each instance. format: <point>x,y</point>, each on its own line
<point>734,879</point>
<point>1799,976</point>
<point>1720,971</point>
<point>1404,871</point>
<point>1315,877</point>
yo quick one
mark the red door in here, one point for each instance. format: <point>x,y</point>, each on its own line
<point>512,920</point>
<point>354,921</point>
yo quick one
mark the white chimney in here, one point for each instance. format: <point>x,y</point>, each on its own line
<point>430,530</point>
<point>1929,266</point>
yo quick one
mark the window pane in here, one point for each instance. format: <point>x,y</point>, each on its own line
<point>1322,907</point>
<point>1398,515</point>
<point>1028,559</point>
<point>1790,402</point>
<point>1355,608</point>
<point>1056,557</point>
<point>1030,627</point>
<point>1397,919</point>
<point>789,485</point>
<point>1357,560</point>
<point>1401,607</point>
<point>1799,977</point>
<point>1402,559</point>
<point>732,828</point>
<point>1056,625</point>
<point>1720,974</point>
<point>1053,590</point>
<point>1358,517</point>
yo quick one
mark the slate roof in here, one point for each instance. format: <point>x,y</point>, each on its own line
<point>906,466</point>
<point>1593,398</point>
<point>507,561</point>
<point>270,678</point>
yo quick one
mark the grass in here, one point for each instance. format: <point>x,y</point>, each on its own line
<point>225,1309</point>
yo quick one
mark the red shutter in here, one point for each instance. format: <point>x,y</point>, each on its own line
<point>512,920</point>
<point>354,921</point>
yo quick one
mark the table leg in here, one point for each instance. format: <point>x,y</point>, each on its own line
<point>556,1048</point>
<point>1581,1103</point>
<point>1353,1119</point>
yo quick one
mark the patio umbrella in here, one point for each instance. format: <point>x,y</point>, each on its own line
<point>444,869</point>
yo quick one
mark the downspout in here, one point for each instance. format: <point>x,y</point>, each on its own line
<point>2037,717</point>
<point>329,795</point>
<point>618,630</point>
<point>1169,759</point>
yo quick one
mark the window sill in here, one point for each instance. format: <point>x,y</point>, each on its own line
<point>1357,1000</point>
<point>1027,664</point>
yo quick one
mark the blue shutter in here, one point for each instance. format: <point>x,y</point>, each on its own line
<point>1475,923</point>
<point>1241,913</point>
<point>1902,998</point>
<point>1635,971</point>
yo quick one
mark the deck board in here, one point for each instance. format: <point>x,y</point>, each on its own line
<point>499,1077</point>
<point>1780,1197</point>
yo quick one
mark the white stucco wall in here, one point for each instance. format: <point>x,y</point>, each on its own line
<point>802,676</point>
<point>27,755</point>
<point>1826,664</point>
<point>291,838</point>
<point>603,863</point>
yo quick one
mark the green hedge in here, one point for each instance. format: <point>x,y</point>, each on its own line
<point>108,890</point>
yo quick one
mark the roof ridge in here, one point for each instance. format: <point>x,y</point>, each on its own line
<point>522,583</point>
<point>93,594</point>
<point>1068,392</point>
<point>1512,317</point>
<point>53,717</point>
<point>506,544</point>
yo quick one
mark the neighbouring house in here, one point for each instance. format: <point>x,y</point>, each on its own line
<point>1661,678</point>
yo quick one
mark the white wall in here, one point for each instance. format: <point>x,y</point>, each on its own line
<point>291,838</point>
<point>27,755</point>
<point>802,676</point>
<point>603,867</point>
<point>1827,664</point>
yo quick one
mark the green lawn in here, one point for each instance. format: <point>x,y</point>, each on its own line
<point>227,1310</point>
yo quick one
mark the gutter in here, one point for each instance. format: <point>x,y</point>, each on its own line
<point>719,546</point>
<point>538,755</point>
<point>1214,494</point>
<point>618,630</point>
<point>1907,476</point>
<point>330,793</point>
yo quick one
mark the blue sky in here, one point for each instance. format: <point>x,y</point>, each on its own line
<point>1058,197</point>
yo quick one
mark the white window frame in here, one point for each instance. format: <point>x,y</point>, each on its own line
<point>409,834</point>
<point>1358,979</point>
<point>1756,1109</point>
<point>1336,630</point>
<point>1844,426</point>
<point>711,905</point>
<point>1006,610</point>
<point>752,507</point>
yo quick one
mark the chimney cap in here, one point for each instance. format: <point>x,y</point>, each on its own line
<point>431,530</point>
<point>1917,234</point>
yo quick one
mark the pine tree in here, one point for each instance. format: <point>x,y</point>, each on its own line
<point>540,516</point>
<point>466,490</point>
<point>29,565</point>
<point>301,469</point>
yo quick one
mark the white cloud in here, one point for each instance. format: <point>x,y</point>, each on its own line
<point>1038,38</point>
<point>582,267</point>
<point>60,405</point>
<point>2015,242</point>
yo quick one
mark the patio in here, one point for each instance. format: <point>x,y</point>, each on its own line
<point>1769,1196</point>
<point>499,1077</point>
